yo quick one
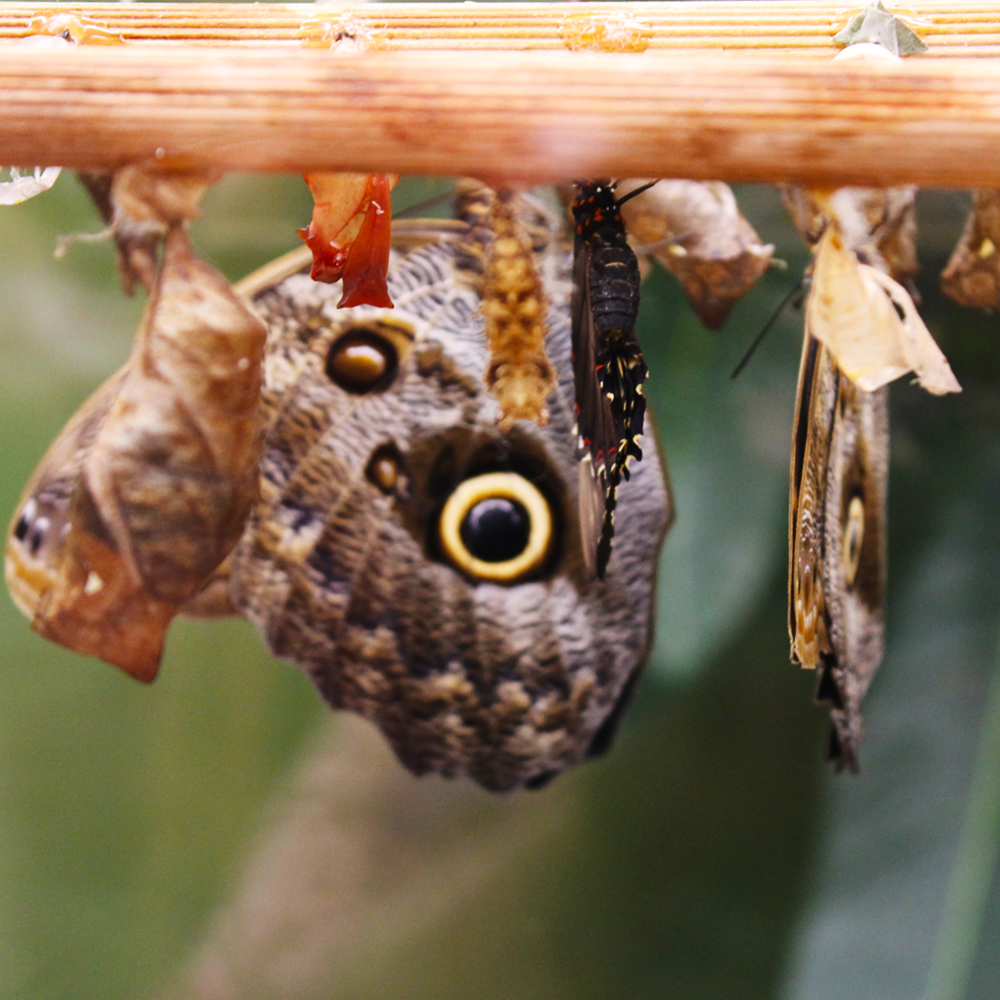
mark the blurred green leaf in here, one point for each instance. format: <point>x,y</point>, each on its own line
<point>726,445</point>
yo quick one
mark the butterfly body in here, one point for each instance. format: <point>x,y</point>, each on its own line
<point>348,565</point>
<point>608,362</point>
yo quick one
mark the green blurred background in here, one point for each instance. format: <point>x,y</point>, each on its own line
<point>221,835</point>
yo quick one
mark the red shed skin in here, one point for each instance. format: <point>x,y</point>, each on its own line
<point>349,234</point>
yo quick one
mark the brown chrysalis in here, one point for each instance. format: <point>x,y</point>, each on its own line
<point>972,277</point>
<point>148,488</point>
<point>697,232</point>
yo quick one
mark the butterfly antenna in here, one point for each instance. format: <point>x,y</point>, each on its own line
<point>788,296</point>
<point>639,190</point>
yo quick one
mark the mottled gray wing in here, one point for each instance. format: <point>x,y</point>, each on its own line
<point>378,422</point>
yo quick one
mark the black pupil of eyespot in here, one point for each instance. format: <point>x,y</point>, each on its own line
<point>21,530</point>
<point>496,529</point>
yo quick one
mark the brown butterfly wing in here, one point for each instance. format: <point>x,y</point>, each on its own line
<point>855,556</point>
<point>837,540</point>
<point>806,516</point>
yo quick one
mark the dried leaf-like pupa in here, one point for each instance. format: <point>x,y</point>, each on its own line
<point>972,277</point>
<point>879,224</point>
<point>863,315</point>
<point>148,488</point>
<point>697,232</point>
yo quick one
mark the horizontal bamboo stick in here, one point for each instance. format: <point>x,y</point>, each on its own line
<point>529,116</point>
<point>516,116</point>
<point>767,27</point>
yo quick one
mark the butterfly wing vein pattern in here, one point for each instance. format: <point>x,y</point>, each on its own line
<point>375,419</point>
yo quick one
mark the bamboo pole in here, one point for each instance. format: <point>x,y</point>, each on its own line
<point>519,116</point>
<point>266,96</point>
<point>766,27</point>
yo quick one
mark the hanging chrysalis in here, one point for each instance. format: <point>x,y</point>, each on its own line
<point>697,232</point>
<point>148,488</point>
<point>350,233</point>
<point>972,277</point>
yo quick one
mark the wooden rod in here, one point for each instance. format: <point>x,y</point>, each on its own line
<point>766,27</point>
<point>516,116</point>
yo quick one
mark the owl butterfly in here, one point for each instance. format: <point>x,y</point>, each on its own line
<point>836,526</point>
<point>148,487</point>
<point>972,277</point>
<point>607,361</point>
<point>839,470</point>
<point>424,567</point>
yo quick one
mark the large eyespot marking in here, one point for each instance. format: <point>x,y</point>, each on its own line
<point>496,527</point>
<point>367,358</point>
<point>854,534</point>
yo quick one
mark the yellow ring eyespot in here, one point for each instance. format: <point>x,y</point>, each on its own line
<point>854,535</point>
<point>496,527</point>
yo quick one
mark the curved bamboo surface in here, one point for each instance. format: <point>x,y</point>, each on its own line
<point>765,27</point>
<point>273,92</point>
